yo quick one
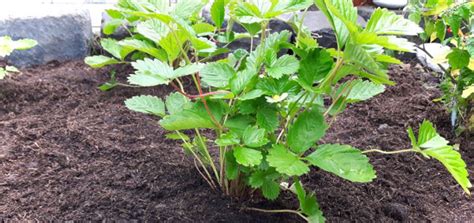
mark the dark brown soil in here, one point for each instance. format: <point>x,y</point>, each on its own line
<point>71,152</point>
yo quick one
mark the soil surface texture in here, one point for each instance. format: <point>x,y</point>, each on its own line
<point>71,152</point>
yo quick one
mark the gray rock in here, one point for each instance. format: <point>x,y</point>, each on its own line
<point>62,33</point>
<point>432,50</point>
<point>365,11</point>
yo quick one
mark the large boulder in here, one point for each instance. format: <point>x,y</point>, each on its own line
<point>63,33</point>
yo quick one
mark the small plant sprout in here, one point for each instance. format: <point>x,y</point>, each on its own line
<point>7,46</point>
<point>264,110</point>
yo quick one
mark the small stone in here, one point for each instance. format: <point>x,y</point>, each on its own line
<point>383,127</point>
<point>436,52</point>
<point>396,211</point>
<point>391,4</point>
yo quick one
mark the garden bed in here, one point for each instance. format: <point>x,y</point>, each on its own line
<point>71,152</point>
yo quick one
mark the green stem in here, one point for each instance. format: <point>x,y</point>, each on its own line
<point>279,211</point>
<point>209,181</point>
<point>208,155</point>
<point>388,152</point>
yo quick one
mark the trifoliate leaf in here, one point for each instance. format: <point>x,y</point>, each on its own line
<point>151,73</point>
<point>176,102</point>
<point>254,137</point>
<point>308,204</point>
<point>286,162</point>
<point>100,61</point>
<point>217,74</point>
<point>344,161</point>
<point>146,104</point>
<point>247,157</point>
<point>308,128</point>
<point>314,67</point>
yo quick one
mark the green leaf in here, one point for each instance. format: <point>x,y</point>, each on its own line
<point>314,67</point>
<point>177,136</point>
<point>344,17</point>
<point>3,73</point>
<point>172,44</point>
<point>428,137</point>
<point>24,44</point>
<point>344,161</point>
<point>111,26</point>
<point>308,204</point>
<point>357,55</point>
<point>252,95</point>
<point>113,47</point>
<point>388,42</point>
<point>247,157</point>
<point>217,74</point>
<point>286,162</point>
<point>308,128</point>
<point>176,102</point>
<point>270,189</point>
<point>239,123</point>
<point>363,90</point>
<point>150,73</point>
<point>284,65</point>
<point>385,22</point>
<point>240,81</point>
<point>254,137</point>
<point>146,104</point>
<point>195,117</point>
<point>267,118</point>
<point>187,8</point>
<point>231,166</point>
<point>204,28</point>
<point>228,139</point>
<point>218,12</point>
<point>453,162</point>
<point>187,70</point>
<point>153,29</point>
<point>143,46</point>
<point>100,61</point>
<point>440,29</point>
<point>458,58</point>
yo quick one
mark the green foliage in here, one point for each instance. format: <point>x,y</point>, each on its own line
<point>7,46</point>
<point>432,145</point>
<point>451,23</point>
<point>263,111</point>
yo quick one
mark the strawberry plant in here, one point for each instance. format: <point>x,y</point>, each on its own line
<point>264,111</point>
<point>451,23</point>
<point>7,46</point>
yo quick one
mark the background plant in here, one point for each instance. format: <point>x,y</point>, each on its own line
<point>7,46</point>
<point>451,22</point>
<point>265,110</point>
